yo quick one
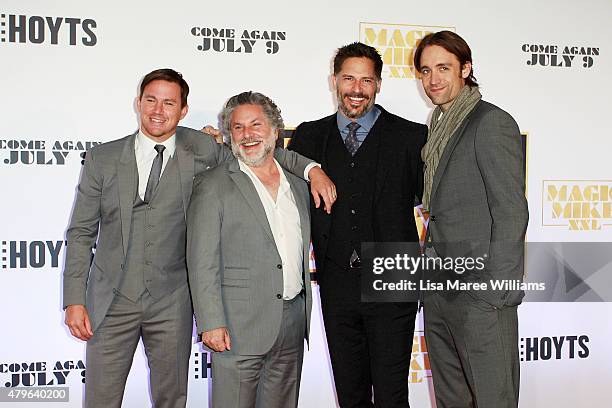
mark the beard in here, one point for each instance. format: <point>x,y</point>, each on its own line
<point>256,160</point>
<point>350,112</point>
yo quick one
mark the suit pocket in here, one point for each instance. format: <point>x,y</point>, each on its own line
<point>235,283</point>
<point>236,273</point>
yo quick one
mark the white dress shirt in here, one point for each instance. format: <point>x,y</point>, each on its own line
<point>144,148</point>
<point>284,220</point>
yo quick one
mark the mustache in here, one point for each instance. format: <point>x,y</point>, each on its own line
<point>250,140</point>
<point>356,95</point>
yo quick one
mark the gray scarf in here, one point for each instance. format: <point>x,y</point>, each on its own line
<point>440,132</point>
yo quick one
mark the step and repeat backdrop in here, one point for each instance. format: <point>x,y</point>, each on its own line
<point>69,74</point>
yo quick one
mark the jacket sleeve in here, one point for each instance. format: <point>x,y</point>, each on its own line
<point>204,218</point>
<point>501,161</point>
<point>303,143</point>
<point>82,233</point>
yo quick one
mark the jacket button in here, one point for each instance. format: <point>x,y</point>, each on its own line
<point>279,266</point>
<point>279,296</point>
<point>352,164</point>
<point>432,218</point>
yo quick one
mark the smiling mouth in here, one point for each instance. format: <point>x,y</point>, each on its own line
<point>157,121</point>
<point>356,100</point>
<point>250,143</point>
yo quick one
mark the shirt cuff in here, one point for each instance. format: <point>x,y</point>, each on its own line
<point>308,168</point>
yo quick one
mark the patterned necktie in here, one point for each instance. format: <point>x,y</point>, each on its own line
<point>155,173</point>
<point>351,142</point>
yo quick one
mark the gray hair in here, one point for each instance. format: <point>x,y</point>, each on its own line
<point>272,112</point>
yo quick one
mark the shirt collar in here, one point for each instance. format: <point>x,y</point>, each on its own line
<point>148,145</point>
<point>284,183</point>
<point>366,122</point>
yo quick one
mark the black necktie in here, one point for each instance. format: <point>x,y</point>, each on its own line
<point>351,142</point>
<point>155,173</point>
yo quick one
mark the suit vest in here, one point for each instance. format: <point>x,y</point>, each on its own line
<point>355,180</point>
<point>157,238</point>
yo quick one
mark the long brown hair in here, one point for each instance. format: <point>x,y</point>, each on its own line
<point>452,43</point>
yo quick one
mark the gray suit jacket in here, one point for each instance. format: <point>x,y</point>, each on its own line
<point>478,205</point>
<point>235,271</point>
<point>103,210</point>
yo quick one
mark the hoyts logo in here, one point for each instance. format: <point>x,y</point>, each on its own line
<point>202,365</point>
<point>31,254</point>
<point>554,348</point>
<point>19,28</point>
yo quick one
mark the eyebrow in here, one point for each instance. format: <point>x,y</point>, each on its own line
<point>353,76</point>
<point>249,122</point>
<point>442,64</point>
<point>163,100</point>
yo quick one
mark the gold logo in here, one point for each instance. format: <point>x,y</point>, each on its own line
<point>396,44</point>
<point>579,205</point>
<point>419,363</point>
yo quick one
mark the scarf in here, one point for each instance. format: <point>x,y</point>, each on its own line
<point>440,132</point>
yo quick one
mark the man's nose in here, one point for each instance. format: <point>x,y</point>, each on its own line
<point>158,107</point>
<point>434,78</point>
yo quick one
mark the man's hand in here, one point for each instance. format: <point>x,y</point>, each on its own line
<point>322,187</point>
<point>217,339</point>
<point>216,133</point>
<point>77,320</point>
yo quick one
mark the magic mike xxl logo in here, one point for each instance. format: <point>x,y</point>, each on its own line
<point>554,348</point>
<point>560,56</point>
<point>24,29</point>
<point>578,205</point>
<point>42,152</point>
<point>419,362</point>
<point>31,254</point>
<point>232,40</point>
<point>40,373</point>
<point>396,44</point>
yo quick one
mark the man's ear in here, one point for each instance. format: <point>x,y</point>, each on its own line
<point>184,111</point>
<point>465,71</point>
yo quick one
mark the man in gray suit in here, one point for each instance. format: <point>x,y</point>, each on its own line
<point>247,254</point>
<point>132,202</point>
<point>475,194</point>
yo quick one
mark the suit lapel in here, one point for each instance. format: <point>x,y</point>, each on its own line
<point>127,176</point>
<point>184,155</point>
<point>332,129</point>
<point>247,189</point>
<point>448,151</point>
<point>384,148</point>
